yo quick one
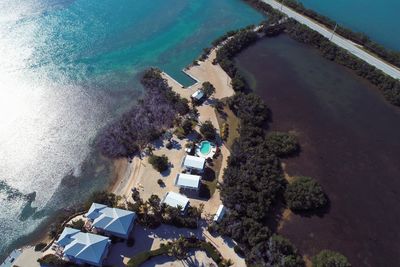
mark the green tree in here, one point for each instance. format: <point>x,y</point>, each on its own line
<point>78,224</point>
<point>187,126</point>
<point>282,144</point>
<point>238,83</point>
<point>208,130</point>
<point>160,163</point>
<point>329,258</point>
<point>155,204</point>
<point>208,89</point>
<point>305,194</point>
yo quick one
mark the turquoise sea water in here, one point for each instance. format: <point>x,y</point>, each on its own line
<point>380,20</point>
<point>67,67</point>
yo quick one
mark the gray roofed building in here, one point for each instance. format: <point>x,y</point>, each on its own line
<point>113,221</point>
<point>83,248</point>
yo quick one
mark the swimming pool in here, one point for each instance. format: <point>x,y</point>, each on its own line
<point>205,147</point>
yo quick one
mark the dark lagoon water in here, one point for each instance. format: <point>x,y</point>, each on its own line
<point>350,140</point>
<point>380,20</point>
<point>67,67</point>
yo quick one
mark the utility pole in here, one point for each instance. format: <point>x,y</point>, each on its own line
<point>333,33</point>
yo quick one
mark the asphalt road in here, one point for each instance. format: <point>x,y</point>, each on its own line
<point>338,40</point>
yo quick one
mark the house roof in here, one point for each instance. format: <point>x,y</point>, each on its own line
<point>220,213</point>
<point>113,220</point>
<point>187,180</point>
<point>194,162</point>
<point>198,94</point>
<point>86,247</point>
<point>174,200</point>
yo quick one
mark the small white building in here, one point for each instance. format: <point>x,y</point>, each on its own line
<point>193,163</point>
<point>220,213</point>
<point>198,95</point>
<point>176,200</point>
<point>188,181</point>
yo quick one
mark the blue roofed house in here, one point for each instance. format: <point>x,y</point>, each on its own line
<point>83,248</point>
<point>111,221</point>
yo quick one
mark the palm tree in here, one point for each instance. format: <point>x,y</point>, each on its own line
<point>179,248</point>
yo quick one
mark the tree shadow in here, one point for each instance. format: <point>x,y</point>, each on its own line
<point>167,172</point>
<point>176,145</point>
<point>209,174</point>
<point>158,144</point>
<point>193,136</point>
<point>204,192</point>
<point>275,216</point>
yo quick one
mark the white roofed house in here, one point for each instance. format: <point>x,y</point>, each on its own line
<point>188,181</point>
<point>193,163</point>
<point>198,95</point>
<point>220,213</point>
<point>176,200</point>
<point>83,248</point>
<point>111,221</point>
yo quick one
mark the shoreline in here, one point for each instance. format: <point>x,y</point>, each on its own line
<point>126,174</point>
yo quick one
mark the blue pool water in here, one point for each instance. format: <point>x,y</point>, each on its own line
<point>380,20</point>
<point>67,67</point>
<point>205,147</point>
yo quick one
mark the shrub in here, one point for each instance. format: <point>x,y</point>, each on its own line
<point>169,145</point>
<point>53,260</point>
<point>78,224</point>
<point>282,144</point>
<point>160,182</point>
<point>160,163</point>
<point>238,250</point>
<point>208,89</point>
<point>40,246</point>
<point>329,258</point>
<point>208,130</point>
<point>218,105</point>
<point>225,131</point>
<point>305,194</point>
<point>180,133</point>
<point>212,228</point>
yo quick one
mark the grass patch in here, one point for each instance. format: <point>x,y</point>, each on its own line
<point>227,117</point>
